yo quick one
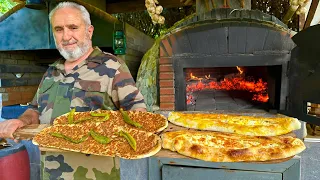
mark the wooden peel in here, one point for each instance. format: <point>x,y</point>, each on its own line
<point>29,131</point>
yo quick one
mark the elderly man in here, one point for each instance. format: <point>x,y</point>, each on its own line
<point>86,79</point>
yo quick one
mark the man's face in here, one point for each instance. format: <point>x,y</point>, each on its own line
<point>72,37</point>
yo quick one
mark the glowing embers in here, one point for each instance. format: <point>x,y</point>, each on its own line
<point>225,82</point>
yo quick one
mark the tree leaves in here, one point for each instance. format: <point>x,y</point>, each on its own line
<point>6,5</point>
<point>142,21</point>
<point>278,9</point>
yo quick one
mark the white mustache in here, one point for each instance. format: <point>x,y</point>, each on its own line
<point>65,43</point>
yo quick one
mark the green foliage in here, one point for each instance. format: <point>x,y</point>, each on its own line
<point>6,5</point>
<point>142,21</point>
<point>278,9</point>
<point>147,76</point>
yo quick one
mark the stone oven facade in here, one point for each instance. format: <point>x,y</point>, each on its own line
<point>225,38</point>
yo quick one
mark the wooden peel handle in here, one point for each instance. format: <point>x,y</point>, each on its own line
<point>29,131</point>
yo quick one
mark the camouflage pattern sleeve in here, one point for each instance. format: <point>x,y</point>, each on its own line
<point>33,104</point>
<point>125,94</point>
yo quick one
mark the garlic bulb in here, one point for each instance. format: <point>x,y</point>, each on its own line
<point>298,6</point>
<point>294,2</point>
<point>154,11</point>
<point>159,9</point>
<point>161,20</point>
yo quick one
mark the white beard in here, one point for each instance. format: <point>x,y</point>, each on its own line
<point>79,51</point>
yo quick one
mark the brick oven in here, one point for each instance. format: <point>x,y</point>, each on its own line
<point>228,60</point>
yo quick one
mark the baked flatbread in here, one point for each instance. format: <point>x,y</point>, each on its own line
<point>239,124</point>
<point>227,147</point>
<point>150,122</point>
<point>147,144</point>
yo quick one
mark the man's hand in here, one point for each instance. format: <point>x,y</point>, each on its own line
<point>8,127</point>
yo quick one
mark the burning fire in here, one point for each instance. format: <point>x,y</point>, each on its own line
<point>236,82</point>
<point>240,70</point>
<point>195,77</point>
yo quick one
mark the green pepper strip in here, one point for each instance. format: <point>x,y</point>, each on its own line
<point>59,135</point>
<point>70,116</point>
<point>99,138</point>
<point>127,119</point>
<point>98,114</point>
<point>132,142</point>
<point>82,120</point>
<point>90,118</point>
<point>105,115</point>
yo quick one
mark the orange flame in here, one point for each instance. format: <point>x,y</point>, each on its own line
<point>258,88</point>
<point>195,77</point>
<point>240,70</point>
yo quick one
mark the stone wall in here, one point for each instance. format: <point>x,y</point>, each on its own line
<point>138,44</point>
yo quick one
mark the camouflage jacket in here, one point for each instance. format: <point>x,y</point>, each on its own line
<point>102,81</point>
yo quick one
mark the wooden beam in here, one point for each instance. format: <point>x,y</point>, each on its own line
<point>12,10</point>
<point>302,20</point>
<point>96,11</point>
<point>139,5</point>
<point>312,11</point>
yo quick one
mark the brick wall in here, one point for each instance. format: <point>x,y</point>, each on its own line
<point>20,74</point>
<point>9,93</point>
<point>166,82</point>
<point>17,95</point>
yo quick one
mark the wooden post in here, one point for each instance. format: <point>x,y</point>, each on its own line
<point>312,11</point>
<point>302,21</point>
